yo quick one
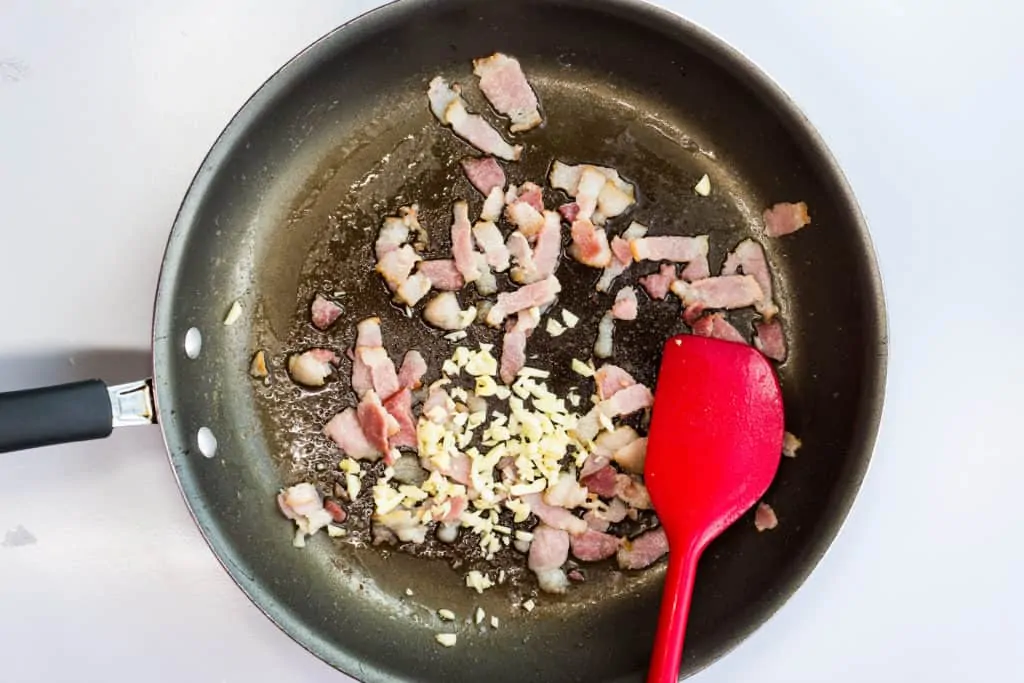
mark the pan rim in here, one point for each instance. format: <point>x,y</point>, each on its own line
<point>729,58</point>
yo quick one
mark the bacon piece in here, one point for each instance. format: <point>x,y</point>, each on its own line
<point>414,288</point>
<point>377,424</point>
<point>486,284</point>
<point>513,347</point>
<point>302,504</point>
<point>519,249</point>
<point>456,506</point>
<point>443,274</point>
<point>368,335</point>
<point>443,312</point>
<point>658,284</point>
<point>608,443</point>
<point>610,379</point>
<point>590,185</point>
<point>770,339</point>
<point>625,304</point>
<point>412,370</point>
<point>439,405</point>
<point>593,546</point>
<point>748,258</point>
<point>644,550</point>
<point>715,325</point>
<point>697,269</point>
<point>382,370</point>
<point>566,492</point>
<point>462,242</point>
<point>724,291</point>
<point>605,330</point>
<point>401,523</point>
<point>590,244</point>
<point>612,201</point>
<point>447,105</point>
<point>623,255</point>
<point>397,230</point>
<point>399,407</point>
<point>594,462</point>
<point>334,509</point>
<point>493,205</point>
<point>543,260</point>
<point>764,517</point>
<point>570,211</point>
<point>324,312</point>
<point>557,517</point>
<point>504,84</point>
<point>600,520</point>
<point>627,401</point>
<point>484,173</point>
<point>632,456</point>
<point>785,218</point>
<point>537,294</point>
<point>602,482</point>
<point>344,430</point>
<point>675,248</point>
<point>489,238</point>
<point>548,552</point>
<point>310,368</point>
<point>396,265</point>
<point>532,194</point>
<point>525,217</point>
<point>632,491</point>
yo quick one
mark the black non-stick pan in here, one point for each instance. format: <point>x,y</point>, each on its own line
<point>287,203</point>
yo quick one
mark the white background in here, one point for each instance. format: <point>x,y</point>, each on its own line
<point>107,108</point>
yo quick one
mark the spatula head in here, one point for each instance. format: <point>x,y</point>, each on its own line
<point>715,436</point>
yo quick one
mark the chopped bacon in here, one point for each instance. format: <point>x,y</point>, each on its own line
<point>627,401</point>
<point>770,339</point>
<point>591,182</point>
<point>456,506</point>
<point>531,193</point>
<point>602,482</point>
<point>444,312</point>
<point>632,456</point>
<point>484,173</point>
<point>505,86</point>
<point>548,552</point>
<point>513,348</point>
<point>310,368</point>
<point>697,269</point>
<point>396,265</point>
<point>632,491</point>
<point>597,198</point>
<point>414,288</point>
<point>612,201</point>
<point>625,305</point>
<point>608,443</point>
<point>383,375</point>
<point>302,504</point>
<point>566,493</point>
<point>334,509</point>
<point>610,379</point>
<point>525,217</point>
<point>400,522</point>
<point>489,238</point>
<point>368,332</point>
<point>447,105</point>
<point>748,258</point>
<point>715,325</point>
<point>658,284</point>
<point>565,177</point>
<point>785,218</point>
<point>593,546</point>
<point>399,407</point>
<point>486,284</point>
<point>623,255</point>
<point>553,516</point>
<point>724,291</point>
<point>520,250</point>
<point>413,368</point>
<point>495,202</point>
<point>764,517</point>
<point>570,211</point>
<point>675,248</point>
<point>458,468</point>
<point>368,335</point>
<point>439,405</point>
<point>594,462</point>
<point>324,312</point>
<point>397,230</point>
<point>644,550</point>
<point>462,242</point>
<point>537,294</point>
<point>344,430</point>
<point>599,520</point>
<point>590,244</point>
<point>603,345</point>
<point>543,260</point>
<point>443,274</point>
<point>377,424</point>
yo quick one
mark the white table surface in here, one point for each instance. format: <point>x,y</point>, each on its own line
<point>107,108</point>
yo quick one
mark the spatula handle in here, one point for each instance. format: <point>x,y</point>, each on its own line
<point>675,607</point>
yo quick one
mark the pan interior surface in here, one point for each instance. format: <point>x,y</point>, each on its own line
<point>288,204</point>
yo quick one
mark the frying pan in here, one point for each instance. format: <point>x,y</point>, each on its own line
<point>287,203</point>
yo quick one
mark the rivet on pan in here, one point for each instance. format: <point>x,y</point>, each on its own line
<point>206,441</point>
<point>193,342</point>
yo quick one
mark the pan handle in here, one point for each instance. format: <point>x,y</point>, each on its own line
<point>78,411</point>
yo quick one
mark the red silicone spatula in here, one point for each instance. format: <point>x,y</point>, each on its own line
<point>714,446</point>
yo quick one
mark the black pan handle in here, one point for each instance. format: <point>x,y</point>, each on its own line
<point>64,413</point>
